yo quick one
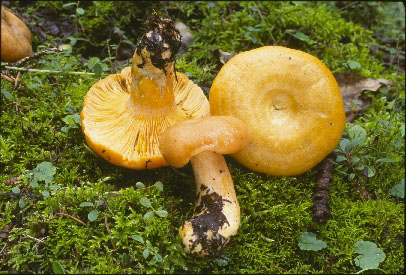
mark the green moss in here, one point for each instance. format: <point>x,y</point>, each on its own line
<point>274,211</point>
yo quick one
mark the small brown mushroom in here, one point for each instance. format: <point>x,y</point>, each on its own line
<point>217,213</point>
<point>15,37</point>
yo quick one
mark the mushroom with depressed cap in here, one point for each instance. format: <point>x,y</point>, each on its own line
<point>15,37</point>
<point>291,103</point>
<point>124,114</point>
<point>217,213</point>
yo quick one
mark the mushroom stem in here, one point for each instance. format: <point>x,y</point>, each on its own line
<point>217,213</point>
<point>153,69</point>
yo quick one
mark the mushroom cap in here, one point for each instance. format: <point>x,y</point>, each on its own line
<point>118,131</point>
<point>15,37</point>
<point>221,134</point>
<point>291,103</point>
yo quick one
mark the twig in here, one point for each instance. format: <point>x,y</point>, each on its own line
<point>20,195</point>
<point>8,78</point>
<point>4,247</point>
<point>17,80</point>
<point>72,217</point>
<point>172,216</point>
<point>109,231</point>
<point>35,239</point>
<point>35,55</point>
<point>49,71</point>
<point>348,5</point>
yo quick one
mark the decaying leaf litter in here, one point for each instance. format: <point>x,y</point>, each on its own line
<point>147,253</point>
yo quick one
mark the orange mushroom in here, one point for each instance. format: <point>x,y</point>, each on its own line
<point>217,213</point>
<point>15,37</point>
<point>124,114</point>
<point>291,103</point>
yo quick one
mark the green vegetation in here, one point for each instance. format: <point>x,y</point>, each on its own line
<point>71,211</point>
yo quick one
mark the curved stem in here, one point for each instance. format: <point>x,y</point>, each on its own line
<point>217,213</point>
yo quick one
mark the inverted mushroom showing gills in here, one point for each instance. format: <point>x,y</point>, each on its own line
<point>15,37</point>
<point>124,114</point>
<point>290,102</point>
<point>217,213</point>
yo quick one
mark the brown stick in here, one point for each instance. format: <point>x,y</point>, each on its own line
<point>108,230</point>
<point>72,217</point>
<point>321,196</point>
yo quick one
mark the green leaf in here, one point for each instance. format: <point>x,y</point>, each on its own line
<point>73,40</point>
<point>45,193</point>
<point>68,4</point>
<point>33,86</point>
<point>162,213</point>
<point>80,11</point>
<point>369,171</point>
<point>353,65</point>
<point>72,120</point>
<point>351,176</point>
<point>222,261</point>
<point>384,90</point>
<point>92,216</point>
<point>145,202</point>
<point>54,187</point>
<point>386,160</point>
<point>340,158</point>
<point>399,190</point>
<point>158,258</point>
<point>93,61</point>
<point>44,171</point>
<point>357,135</point>
<point>126,258</point>
<point>159,186</point>
<point>140,185</point>
<point>86,204</point>
<point>355,159</point>
<point>58,268</point>
<point>343,145</point>
<point>6,94</point>
<point>370,255</point>
<point>149,215</point>
<point>298,35</point>
<point>21,203</point>
<point>100,202</point>
<point>97,69</point>
<point>308,241</point>
<point>15,190</point>
<point>145,253</point>
<point>34,184</point>
<point>137,238</point>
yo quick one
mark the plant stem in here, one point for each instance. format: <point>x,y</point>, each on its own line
<point>266,25</point>
<point>49,71</point>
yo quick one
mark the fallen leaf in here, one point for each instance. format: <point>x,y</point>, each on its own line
<point>351,87</point>
<point>363,193</point>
